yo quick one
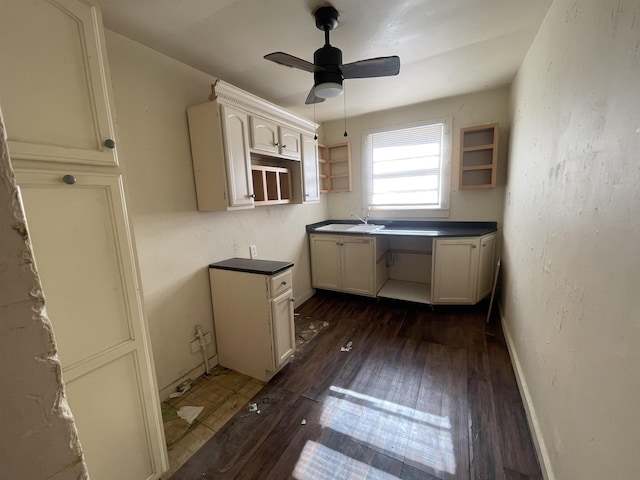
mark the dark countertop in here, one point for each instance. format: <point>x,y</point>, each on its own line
<point>415,228</point>
<point>262,267</point>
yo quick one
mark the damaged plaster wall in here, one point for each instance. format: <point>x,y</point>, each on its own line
<point>571,251</point>
<point>38,438</point>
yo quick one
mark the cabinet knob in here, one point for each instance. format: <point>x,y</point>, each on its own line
<point>276,144</point>
<point>69,179</point>
<point>284,282</point>
<point>109,143</point>
<point>252,195</point>
<point>292,300</point>
<point>473,246</point>
<point>284,146</point>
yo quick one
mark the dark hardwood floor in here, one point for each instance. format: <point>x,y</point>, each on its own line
<point>422,394</point>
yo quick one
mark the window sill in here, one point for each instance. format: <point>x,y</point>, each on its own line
<point>422,214</point>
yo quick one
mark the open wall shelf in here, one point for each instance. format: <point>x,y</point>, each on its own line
<point>478,156</point>
<point>334,165</point>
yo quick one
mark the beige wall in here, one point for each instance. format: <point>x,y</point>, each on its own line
<point>465,110</point>
<point>572,238</point>
<point>175,242</point>
<point>38,436</point>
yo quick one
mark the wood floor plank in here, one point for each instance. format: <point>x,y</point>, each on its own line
<point>438,442</point>
<point>514,436</point>
<point>485,452</point>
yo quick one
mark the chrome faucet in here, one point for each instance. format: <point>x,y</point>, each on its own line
<point>364,220</point>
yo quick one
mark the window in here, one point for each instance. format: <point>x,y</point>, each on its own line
<point>407,169</point>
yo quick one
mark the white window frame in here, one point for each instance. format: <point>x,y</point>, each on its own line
<point>440,211</point>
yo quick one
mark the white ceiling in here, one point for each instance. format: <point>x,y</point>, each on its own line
<point>446,47</point>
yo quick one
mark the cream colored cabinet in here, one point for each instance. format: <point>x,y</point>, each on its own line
<point>310,183</point>
<point>253,315</point>
<point>269,137</point>
<point>54,52</point>
<point>460,267</point>
<point>221,159</point>
<point>77,222</point>
<point>344,263</point>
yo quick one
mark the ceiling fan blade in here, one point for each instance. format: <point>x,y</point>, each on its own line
<point>291,61</point>
<point>311,98</point>
<point>373,67</point>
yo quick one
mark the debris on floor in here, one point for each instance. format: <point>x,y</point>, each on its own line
<point>303,422</point>
<point>347,347</point>
<point>189,413</point>
<point>181,389</point>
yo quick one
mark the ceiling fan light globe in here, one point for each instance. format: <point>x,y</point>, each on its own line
<point>328,90</point>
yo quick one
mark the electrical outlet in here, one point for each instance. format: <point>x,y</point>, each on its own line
<point>253,251</point>
<point>195,344</point>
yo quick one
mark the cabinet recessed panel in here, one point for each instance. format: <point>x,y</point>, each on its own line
<point>76,245</point>
<point>109,411</point>
<point>58,107</point>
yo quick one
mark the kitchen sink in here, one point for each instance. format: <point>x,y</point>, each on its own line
<point>350,228</point>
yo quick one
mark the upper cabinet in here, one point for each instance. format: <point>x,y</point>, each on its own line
<point>66,89</point>
<point>478,156</point>
<point>273,139</point>
<point>248,152</point>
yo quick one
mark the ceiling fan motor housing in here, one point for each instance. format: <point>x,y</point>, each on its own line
<point>330,58</point>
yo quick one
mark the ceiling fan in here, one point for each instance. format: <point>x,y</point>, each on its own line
<point>327,68</point>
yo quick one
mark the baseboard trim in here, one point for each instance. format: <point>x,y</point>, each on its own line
<point>192,374</point>
<point>532,418</point>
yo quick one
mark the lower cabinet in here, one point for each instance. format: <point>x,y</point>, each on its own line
<point>253,316</point>
<point>343,263</point>
<point>462,269</point>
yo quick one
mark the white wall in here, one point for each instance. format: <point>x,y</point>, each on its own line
<point>466,110</point>
<point>572,238</point>
<point>175,242</point>
<point>38,437</point>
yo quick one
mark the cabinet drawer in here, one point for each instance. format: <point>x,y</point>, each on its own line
<point>280,283</point>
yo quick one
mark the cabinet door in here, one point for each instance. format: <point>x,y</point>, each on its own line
<point>310,179</point>
<point>486,265</point>
<point>325,262</point>
<point>283,329</point>
<point>83,252</point>
<point>237,158</point>
<point>455,267</point>
<point>358,265</point>
<point>58,107</point>
<point>264,135</point>
<point>289,143</point>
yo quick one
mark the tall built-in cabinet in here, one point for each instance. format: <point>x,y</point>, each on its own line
<point>248,152</point>
<point>57,105</point>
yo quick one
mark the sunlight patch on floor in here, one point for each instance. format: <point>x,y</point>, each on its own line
<point>318,462</point>
<point>415,437</point>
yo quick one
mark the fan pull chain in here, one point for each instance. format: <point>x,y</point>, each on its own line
<point>315,135</point>
<point>344,98</point>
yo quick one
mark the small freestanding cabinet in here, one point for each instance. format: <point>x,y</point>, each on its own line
<point>253,315</point>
